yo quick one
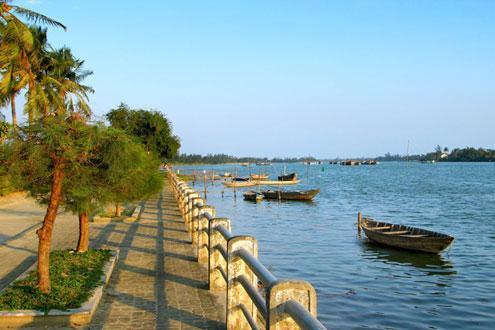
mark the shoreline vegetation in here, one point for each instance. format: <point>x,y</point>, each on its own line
<point>468,154</point>
<point>56,151</point>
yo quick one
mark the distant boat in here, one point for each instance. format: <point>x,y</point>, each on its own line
<point>369,162</point>
<point>240,179</point>
<point>405,237</point>
<point>259,176</point>
<point>253,196</point>
<point>245,164</point>
<point>226,175</point>
<point>350,163</point>
<point>288,177</point>
<point>239,184</point>
<point>252,183</point>
<point>263,164</point>
<point>297,195</point>
<point>428,161</point>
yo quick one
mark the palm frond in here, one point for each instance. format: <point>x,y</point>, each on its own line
<point>37,17</point>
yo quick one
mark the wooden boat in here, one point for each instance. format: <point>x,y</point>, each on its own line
<point>350,163</point>
<point>239,179</point>
<point>253,196</point>
<point>288,177</point>
<point>297,195</point>
<point>259,176</point>
<point>239,184</point>
<point>405,237</point>
<point>252,183</point>
<point>276,183</point>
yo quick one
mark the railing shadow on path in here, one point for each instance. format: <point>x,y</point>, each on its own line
<point>154,284</point>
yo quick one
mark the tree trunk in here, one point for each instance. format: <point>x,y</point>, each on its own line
<point>83,242</point>
<point>45,232</point>
<point>14,115</point>
<point>117,210</point>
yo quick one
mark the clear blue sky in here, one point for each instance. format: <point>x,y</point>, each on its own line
<point>293,78</point>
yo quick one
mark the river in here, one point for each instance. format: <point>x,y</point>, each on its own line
<point>364,285</point>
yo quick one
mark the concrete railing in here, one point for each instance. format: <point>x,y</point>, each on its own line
<point>255,298</point>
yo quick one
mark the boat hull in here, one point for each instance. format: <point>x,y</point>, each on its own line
<point>253,196</point>
<point>306,195</point>
<point>240,184</point>
<point>413,238</point>
<point>288,177</point>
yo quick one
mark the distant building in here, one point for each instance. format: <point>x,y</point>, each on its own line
<point>444,155</point>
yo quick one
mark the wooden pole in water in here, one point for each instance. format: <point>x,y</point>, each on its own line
<point>235,183</point>
<point>359,223</point>
<point>204,182</point>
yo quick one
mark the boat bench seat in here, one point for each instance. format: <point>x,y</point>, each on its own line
<point>379,228</point>
<point>399,232</point>
<point>415,236</point>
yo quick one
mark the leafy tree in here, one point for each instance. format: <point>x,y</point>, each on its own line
<point>127,170</point>
<point>39,162</point>
<point>4,129</point>
<point>152,128</point>
<point>116,169</point>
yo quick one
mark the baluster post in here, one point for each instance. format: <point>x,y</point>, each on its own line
<point>236,294</point>
<point>202,234</point>
<point>215,261</point>
<point>282,291</point>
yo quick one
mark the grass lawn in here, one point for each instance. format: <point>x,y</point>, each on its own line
<point>74,276</point>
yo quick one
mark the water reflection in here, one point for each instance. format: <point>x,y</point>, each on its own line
<point>431,264</point>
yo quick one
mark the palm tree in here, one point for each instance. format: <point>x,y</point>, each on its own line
<point>16,52</point>
<point>68,72</point>
<point>8,11</point>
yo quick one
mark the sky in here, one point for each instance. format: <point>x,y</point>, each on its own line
<point>293,78</point>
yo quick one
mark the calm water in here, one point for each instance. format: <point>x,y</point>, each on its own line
<point>360,284</point>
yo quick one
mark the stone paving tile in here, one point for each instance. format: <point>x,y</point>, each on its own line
<point>157,284</point>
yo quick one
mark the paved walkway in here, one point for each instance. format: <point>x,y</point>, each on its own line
<point>20,217</point>
<point>157,283</point>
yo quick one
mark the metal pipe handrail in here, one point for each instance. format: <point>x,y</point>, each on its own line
<point>301,316</point>
<point>222,272</point>
<point>224,232</point>
<point>222,251</point>
<point>265,276</point>
<point>208,216</point>
<point>253,294</point>
<point>249,318</point>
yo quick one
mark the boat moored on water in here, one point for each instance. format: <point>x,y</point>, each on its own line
<point>239,184</point>
<point>240,179</point>
<point>350,163</point>
<point>259,176</point>
<point>253,196</point>
<point>288,177</point>
<point>404,237</point>
<point>297,195</point>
